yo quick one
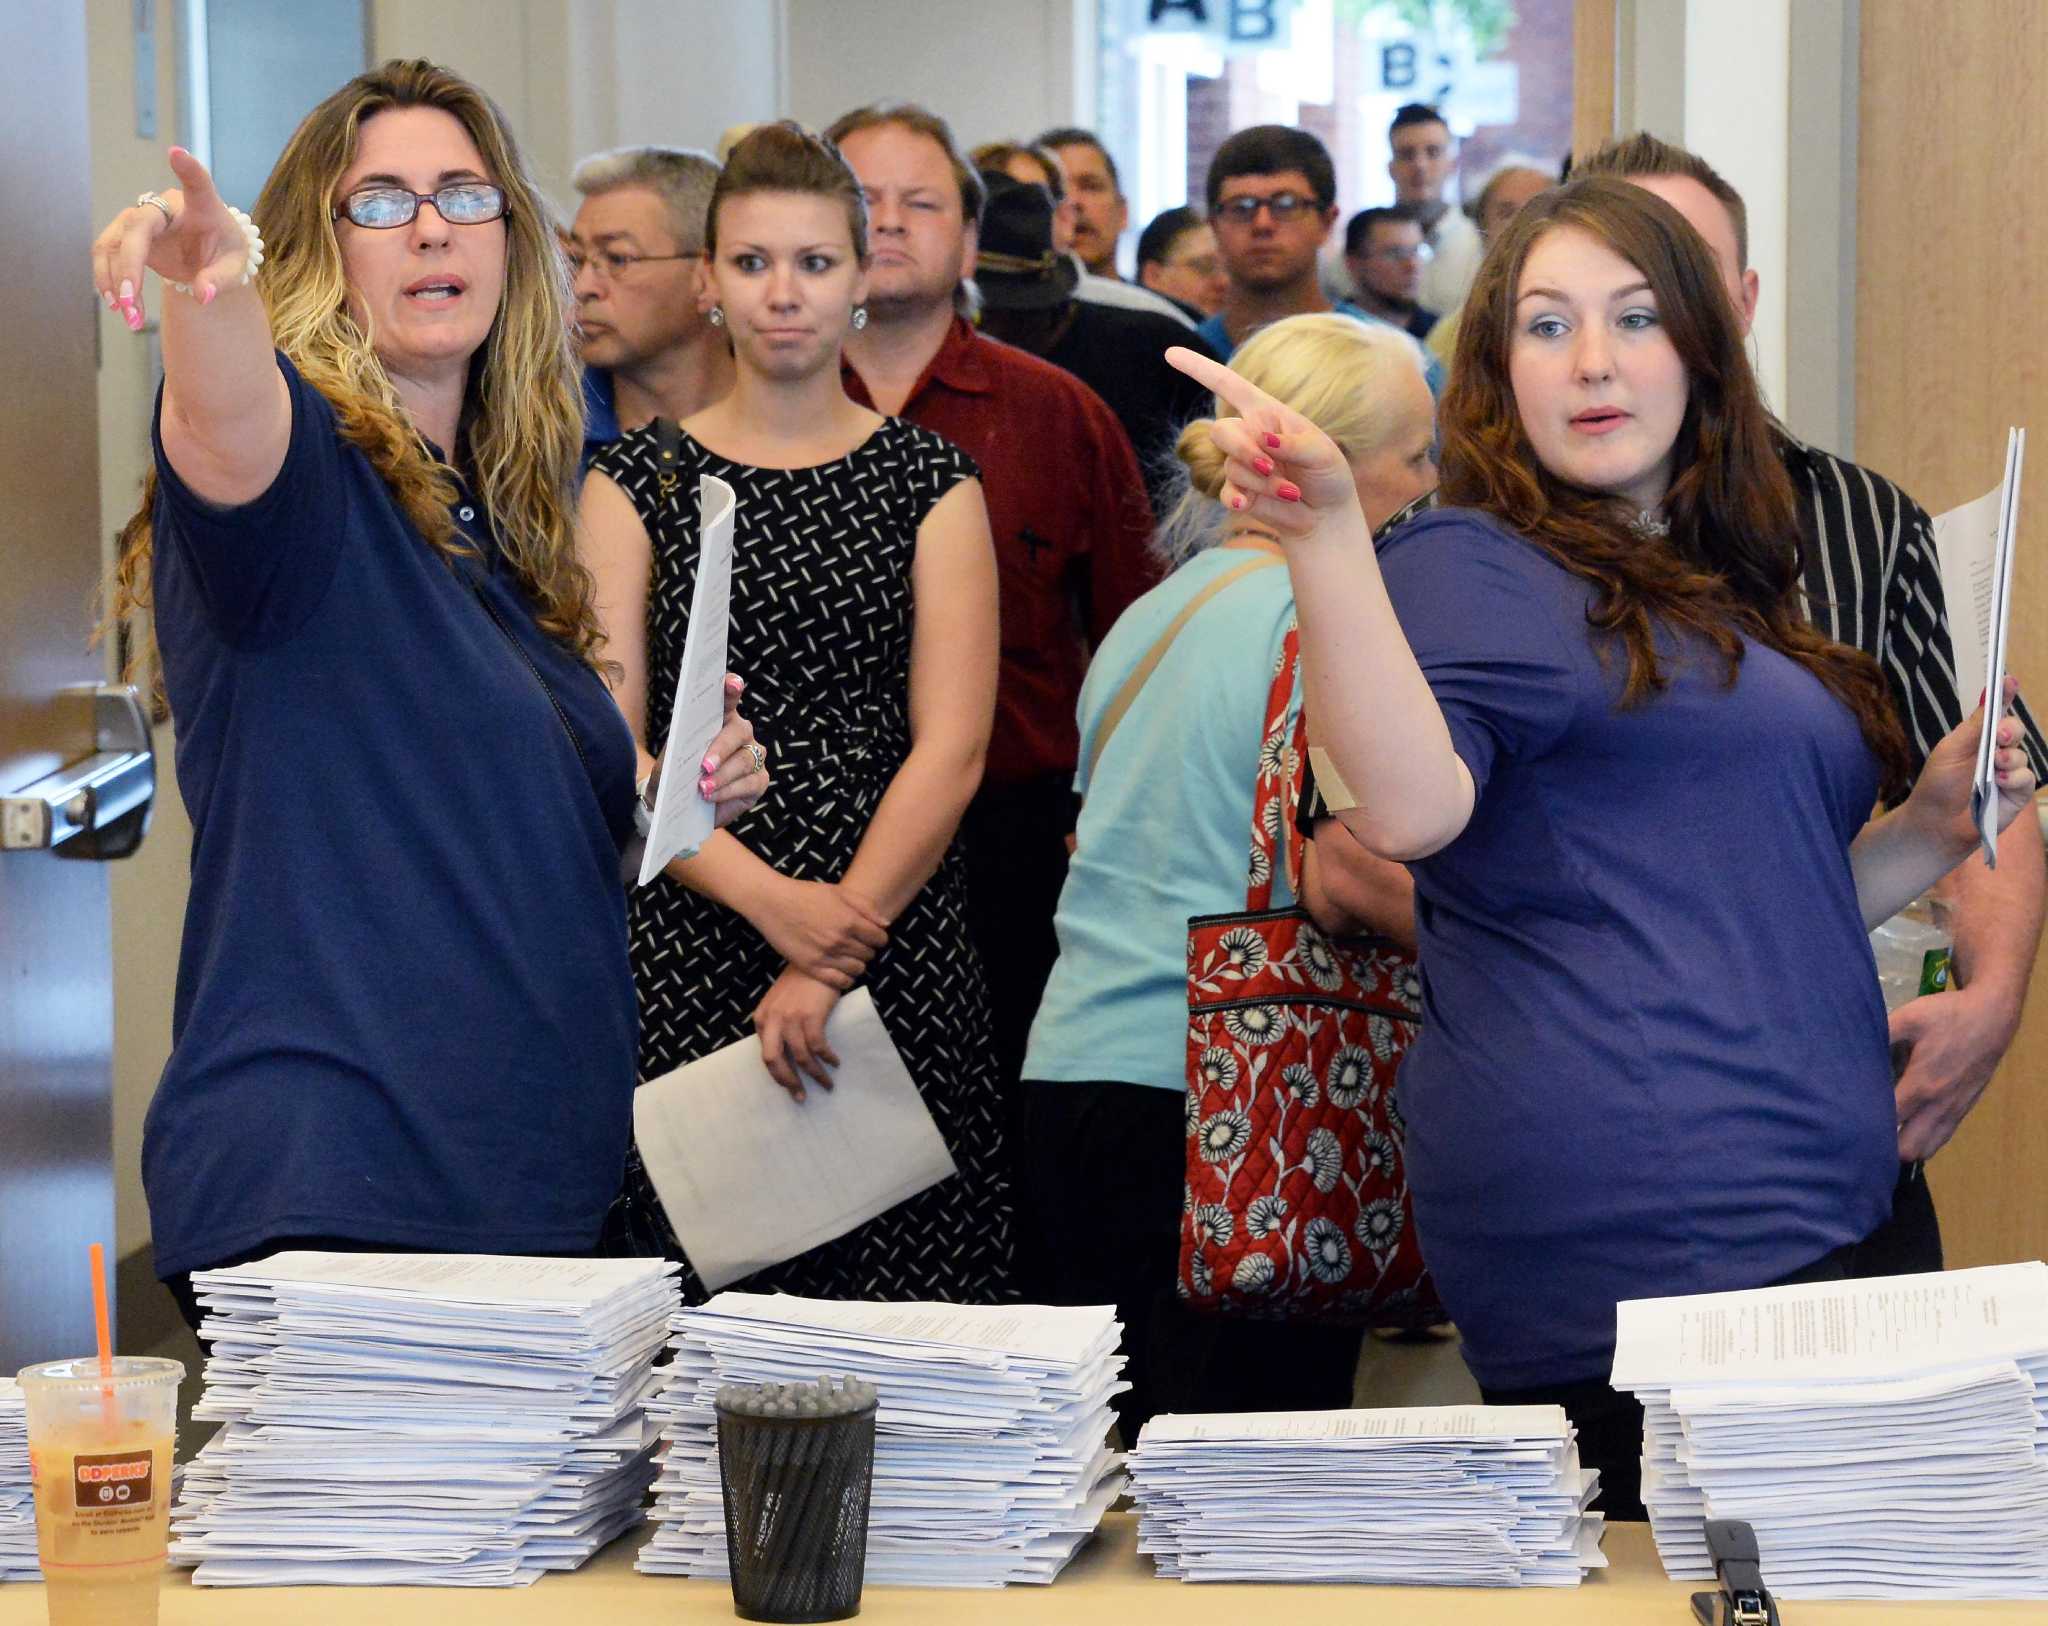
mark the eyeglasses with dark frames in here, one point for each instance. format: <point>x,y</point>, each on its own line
<point>611,263</point>
<point>384,208</point>
<point>1283,206</point>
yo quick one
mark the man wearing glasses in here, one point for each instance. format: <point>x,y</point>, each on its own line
<point>637,252</point>
<point>1385,254</point>
<point>1273,200</point>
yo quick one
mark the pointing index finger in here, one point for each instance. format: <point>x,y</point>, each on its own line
<point>1218,379</point>
<point>192,176</point>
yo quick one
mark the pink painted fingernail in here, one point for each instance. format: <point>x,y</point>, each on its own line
<point>134,319</point>
<point>1237,501</point>
<point>1263,464</point>
<point>1287,492</point>
<point>710,764</point>
<point>126,291</point>
<point>1273,441</point>
<point>735,682</point>
<point>206,294</point>
<point>109,298</point>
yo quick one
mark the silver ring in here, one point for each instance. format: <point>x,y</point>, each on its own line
<point>158,204</point>
<point>760,756</point>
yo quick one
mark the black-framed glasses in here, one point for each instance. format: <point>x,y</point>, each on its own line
<point>1283,206</point>
<point>612,263</point>
<point>383,208</point>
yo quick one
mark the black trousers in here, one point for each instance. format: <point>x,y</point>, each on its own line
<point>1106,1169</point>
<point>1014,839</point>
<point>1610,1421</point>
<point>1909,1243</point>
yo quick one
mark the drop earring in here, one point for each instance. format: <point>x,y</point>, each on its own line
<point>860,317</point>
<point>715,316</point>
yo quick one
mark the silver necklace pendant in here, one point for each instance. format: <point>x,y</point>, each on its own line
<point>1648,522</point>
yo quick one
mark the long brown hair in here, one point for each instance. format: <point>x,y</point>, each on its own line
<point>522,416</point>
<point>1729,569</point>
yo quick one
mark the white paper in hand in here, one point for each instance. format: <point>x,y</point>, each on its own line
<point>750,1177</point>
<point>683,820</point>
<point>1966,543</point>
<point>1984,794</point>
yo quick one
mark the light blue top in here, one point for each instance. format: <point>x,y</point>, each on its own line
<point>1165,828</point>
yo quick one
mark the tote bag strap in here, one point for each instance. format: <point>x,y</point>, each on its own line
<point>1157,653</point>
<point>668,438</point>
<point>1275,842</point>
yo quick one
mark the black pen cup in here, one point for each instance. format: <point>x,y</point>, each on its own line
<point>796,1491</point>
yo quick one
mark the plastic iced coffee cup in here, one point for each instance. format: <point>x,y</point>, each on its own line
<point>99,1451</point>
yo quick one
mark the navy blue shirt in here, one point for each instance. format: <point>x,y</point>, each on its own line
<point>404,1009</point>
<point>1654,1056</point>
<point>600,413</point>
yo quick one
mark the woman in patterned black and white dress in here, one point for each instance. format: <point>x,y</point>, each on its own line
<point>864,615</point>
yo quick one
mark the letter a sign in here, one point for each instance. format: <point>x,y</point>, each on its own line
<point>1227,25</point>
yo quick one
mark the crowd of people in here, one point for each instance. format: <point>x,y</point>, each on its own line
<point>1607,668</point>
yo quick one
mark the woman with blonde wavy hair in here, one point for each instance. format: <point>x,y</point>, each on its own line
<point>1162,836</point>
<point>404,1013</point>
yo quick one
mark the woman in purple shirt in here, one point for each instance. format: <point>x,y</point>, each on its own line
<point>1633,787</point>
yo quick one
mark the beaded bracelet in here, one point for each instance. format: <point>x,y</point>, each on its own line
<point>252,260</point>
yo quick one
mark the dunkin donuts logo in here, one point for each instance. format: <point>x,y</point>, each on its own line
<point>118,1479</point>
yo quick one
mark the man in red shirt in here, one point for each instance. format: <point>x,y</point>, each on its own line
<point>1065,502</point>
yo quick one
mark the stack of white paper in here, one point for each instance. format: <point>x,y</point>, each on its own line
<point>1885,1438</point>
<point>1426,1495</point>
<point>992,1461</point>
<point>421,1418</point>
<point>17,1504</point>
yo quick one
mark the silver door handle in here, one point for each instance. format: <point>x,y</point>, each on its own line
<point>97,807</point>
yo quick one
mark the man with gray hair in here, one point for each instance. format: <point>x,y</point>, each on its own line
<point>637,250</point>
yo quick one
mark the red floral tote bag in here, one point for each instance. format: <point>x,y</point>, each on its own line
<point>1297,1206</point>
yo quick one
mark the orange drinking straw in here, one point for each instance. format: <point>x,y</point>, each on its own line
<point>99,1322</point>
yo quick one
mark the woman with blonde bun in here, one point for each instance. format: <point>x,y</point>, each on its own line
<point>1162,837</point>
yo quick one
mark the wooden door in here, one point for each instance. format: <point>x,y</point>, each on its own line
<point>1951,348</point>
<point>56,968</point>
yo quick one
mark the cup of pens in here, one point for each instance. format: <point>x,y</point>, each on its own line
<point>796,1464</point>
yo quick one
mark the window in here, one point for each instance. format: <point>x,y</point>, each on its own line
<point>253,69</point>
<point>1176,79</point>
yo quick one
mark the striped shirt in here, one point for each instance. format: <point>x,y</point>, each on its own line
<point>1871,579</point>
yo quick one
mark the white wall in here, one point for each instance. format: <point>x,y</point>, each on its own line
<point>992,71</point>
<point>1738,63</point>
<point>578,76</point>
